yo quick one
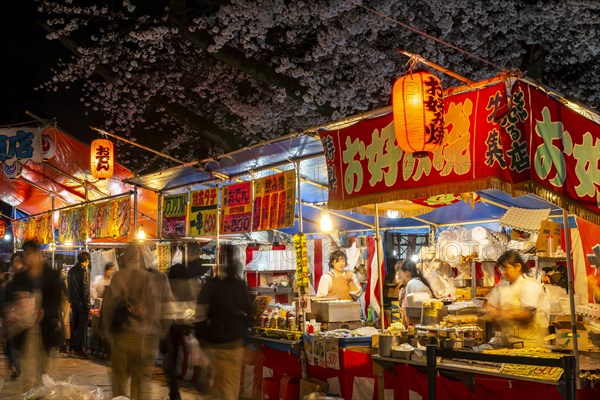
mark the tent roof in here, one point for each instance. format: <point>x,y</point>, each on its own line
<point>279,155</point>
<point>63,180</point>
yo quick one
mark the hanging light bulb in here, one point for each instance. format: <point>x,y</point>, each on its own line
<point>141,235</point>
<point>326,224</point>
<point>392,213</point>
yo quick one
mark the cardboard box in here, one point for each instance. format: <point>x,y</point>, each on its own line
<point>336,311</point>
<point>311,385</point>
<point>548,228</point>
<point>564,333</point>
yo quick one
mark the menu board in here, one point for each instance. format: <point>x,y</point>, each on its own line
<point>203,212</point>
<point>237,208</point>
<point>174,210</point>
<point>274,201</point>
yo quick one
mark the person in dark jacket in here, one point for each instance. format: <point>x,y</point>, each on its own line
<point>183,290</point>
<point>39,284</point>
<point>79,295</point>
<point>223,311</point>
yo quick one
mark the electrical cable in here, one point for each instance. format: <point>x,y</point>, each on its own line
<point>428,36</point>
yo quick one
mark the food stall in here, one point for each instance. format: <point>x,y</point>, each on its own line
<point>482,150</point>
<point>482,170</point>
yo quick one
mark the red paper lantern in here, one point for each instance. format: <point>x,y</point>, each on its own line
<point>102,158</point>
<point>2,228</point>
<point>418,106</point>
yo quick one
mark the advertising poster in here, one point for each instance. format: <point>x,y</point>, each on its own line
<point>203,212</point>
<point>72,225</point>
<point>174,209</point>
<point>274,201</point>
<point>237,208</point>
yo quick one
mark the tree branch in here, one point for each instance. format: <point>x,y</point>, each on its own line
<point>235,58</point>
<point>205,128</point>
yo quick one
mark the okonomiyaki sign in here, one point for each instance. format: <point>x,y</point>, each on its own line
<point>534,144</point>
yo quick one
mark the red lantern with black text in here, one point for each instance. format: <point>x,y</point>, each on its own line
<point>102,158</point>
<point>418,106</point>
<point>2,229</point>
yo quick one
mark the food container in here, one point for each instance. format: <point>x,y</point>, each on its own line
<point>452,344</point>
<point>402,354</point>
<point>385,345</point>
<point>461,283</point>
<point>336,311</point>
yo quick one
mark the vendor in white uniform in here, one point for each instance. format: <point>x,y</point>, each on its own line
<point>412,281</point>
<point>337,283</point>
<point>516,304</point>
<point>100,282</point>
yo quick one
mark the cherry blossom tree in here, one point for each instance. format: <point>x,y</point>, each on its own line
<point>198,77</point>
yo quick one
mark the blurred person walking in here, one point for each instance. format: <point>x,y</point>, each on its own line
<point>184,304</point>
<point>16,265</point>
<point>223,310</point>
<point>35,296</point>
<point>65,310</point>
<point>78,281</point>
<point>134,317</point>
<point>101,282</point>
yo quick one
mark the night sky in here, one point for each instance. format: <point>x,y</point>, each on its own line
<point>26,62</point>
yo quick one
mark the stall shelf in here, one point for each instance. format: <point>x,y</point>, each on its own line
<point>484,371</point>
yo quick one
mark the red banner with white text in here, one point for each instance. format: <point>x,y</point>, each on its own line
<point>536,145</point>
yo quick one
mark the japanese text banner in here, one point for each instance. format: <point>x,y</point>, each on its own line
<point>173,215</point>
<point>366,166</point>
<point>539,145</point>
<point>565,149</point>
<point>203,212</point>
<point>110,219</point>
<point>237,208</point>
<point>38,229</point>
<point>274,201</point>
<point>20,144</point>
<point>72,225</point>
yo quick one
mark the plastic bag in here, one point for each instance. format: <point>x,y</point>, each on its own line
<point>60,390</point>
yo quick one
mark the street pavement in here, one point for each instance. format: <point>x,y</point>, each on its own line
<point>93,371</point>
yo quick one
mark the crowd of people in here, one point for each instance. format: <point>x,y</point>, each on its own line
<point>142,311</point>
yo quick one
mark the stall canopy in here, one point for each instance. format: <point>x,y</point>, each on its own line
<point>63,179</point>
<point>485,201</point>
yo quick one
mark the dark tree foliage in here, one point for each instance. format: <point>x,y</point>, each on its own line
<point>198,77</point>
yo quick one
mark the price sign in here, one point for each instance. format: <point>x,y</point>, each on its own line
<point>320,358</point>
<point>332,354</point>
<point>203,213</point>
<point>532,371</point>
<point>237,211</point>
<point>274,201</point>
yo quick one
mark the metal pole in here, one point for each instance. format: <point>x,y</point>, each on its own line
<point>473,279</point>
<point>571,296</point>
<point>431,371</point>
<point>300,223</point>
<point>219,209</point>
<point>160,216</point>
<point>135,227</point>
<point>301,293</point>
<point>379,261</point>
<point>571,377</point>
<point>53,245</point>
